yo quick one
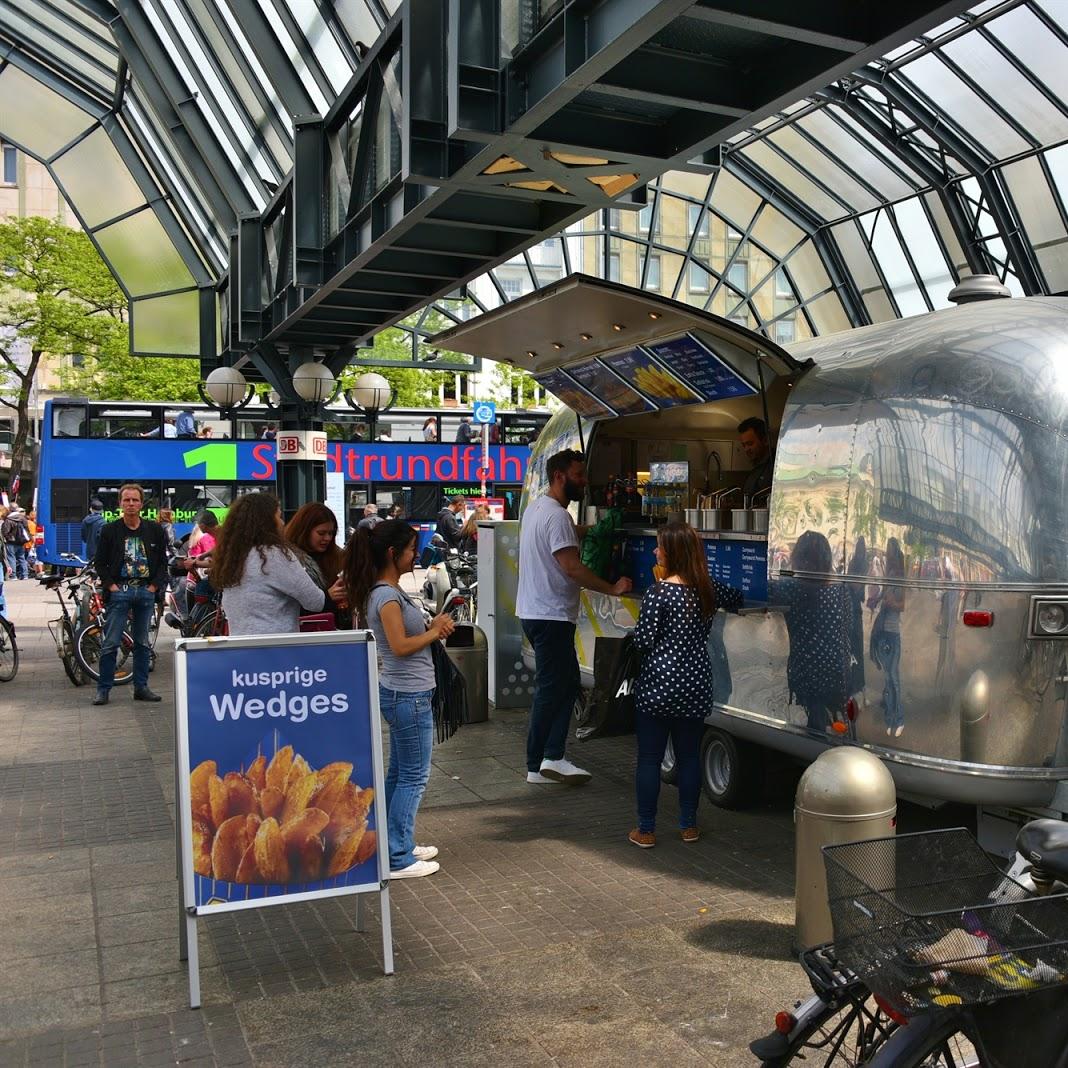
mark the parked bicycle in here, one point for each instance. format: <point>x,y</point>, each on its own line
<point>940,959</point>
<point>9,651</point>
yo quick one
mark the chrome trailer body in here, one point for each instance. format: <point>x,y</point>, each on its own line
<point>948,432</point>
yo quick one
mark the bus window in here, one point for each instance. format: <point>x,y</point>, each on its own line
<point>401,427</point>
<point>68,420</point>
<point>123,422</point>
<point>109,496</point>
<point>70,500</point>
<point>520,431</point>
<point>387,494</point>
<point>188,499</point>
<point>356,497</point>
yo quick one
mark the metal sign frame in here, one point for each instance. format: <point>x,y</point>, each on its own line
<point>190,912</point>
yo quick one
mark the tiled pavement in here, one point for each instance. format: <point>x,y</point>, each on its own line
<point>546,939</point>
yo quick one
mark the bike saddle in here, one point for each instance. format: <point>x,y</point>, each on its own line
<point>1045,844</point>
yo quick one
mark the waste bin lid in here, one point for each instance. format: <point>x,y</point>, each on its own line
<point>847,782</point>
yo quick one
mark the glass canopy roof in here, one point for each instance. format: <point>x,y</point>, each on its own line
<point>166,121</point>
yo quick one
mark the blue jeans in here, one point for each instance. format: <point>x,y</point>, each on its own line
<point>16,560</point>
<point>890,658</point>
<point>556,688</point>
<point>653,734</point>
<point>137,602</point>
<point>411,740</point>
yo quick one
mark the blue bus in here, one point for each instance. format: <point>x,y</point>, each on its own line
<point>90,448</point>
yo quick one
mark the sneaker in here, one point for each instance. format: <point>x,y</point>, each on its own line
<point>564,771</point>
<point>541,780</point>
<point>425,852</point>
<point>690,834</point>
<point>899,730</point>
<point>642,839</point>
<point>416,870</point>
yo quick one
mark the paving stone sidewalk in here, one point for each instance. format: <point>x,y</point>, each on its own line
<point>546,939</point>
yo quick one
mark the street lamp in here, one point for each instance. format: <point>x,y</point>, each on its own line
<point>225,388</point>
<point>372,394</point>
<point>314,382</point>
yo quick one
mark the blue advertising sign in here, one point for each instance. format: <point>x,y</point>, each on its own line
<point>576,397</point>
<point>610,388</point>
<point>280,770</point>
<point>701,368</point>
<point>658,384</point>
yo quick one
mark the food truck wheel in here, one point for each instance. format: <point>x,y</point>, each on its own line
<point>730,770</point>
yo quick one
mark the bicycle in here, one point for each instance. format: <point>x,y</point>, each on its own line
<point>957,959</point>
<point>76,612</point>
<point>89,641</point>
<point>9,651</point>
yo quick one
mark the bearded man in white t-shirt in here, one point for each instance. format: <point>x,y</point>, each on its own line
<point>551,574</point>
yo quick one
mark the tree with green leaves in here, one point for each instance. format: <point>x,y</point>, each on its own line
<point>57,298</point>
<point>412,387</point>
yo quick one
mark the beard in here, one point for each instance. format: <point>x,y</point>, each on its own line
<point>573,491</point>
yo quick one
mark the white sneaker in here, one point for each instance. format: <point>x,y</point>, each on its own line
<point>416,870</point>
<point>541,780</point>
<point>564,771</point>
<point>425,852</point>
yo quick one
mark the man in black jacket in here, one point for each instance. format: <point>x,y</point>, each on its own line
<point>131,560</point>
<point>449,522</point>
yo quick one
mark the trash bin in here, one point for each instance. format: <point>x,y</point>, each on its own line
<point>469,651</point>
<point>846,795</point>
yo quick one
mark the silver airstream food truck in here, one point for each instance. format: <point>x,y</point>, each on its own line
<point>920,464</point>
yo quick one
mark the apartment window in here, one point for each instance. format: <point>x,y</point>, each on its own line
<point>10,163</point>
<point>646,222</point>
<point>785,331</point>
<point>698,220</point>
<point>652,273</point>
<point>734,241</point>
<point>615,219</point>
<point>613,267</point>
<point>738,276</point>
<point>513,287</point>
<point>782,284</point>
<point>698,278</point>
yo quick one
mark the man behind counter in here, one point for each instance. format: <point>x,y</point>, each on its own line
<point>753,438</point>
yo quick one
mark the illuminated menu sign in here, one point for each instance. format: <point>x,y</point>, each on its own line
<point>573,395</point>
<point>701,367</point>
<point>742,565</point>
<point>658,384</point>
<point>610,389</point>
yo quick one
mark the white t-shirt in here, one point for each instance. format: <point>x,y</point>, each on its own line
<point>545,592</point>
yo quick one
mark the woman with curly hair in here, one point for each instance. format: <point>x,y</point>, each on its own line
<point>264,584</point>
<point>313,530</point>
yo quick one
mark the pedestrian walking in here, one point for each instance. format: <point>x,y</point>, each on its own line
<point>674,689</point>
<point>92,524</point>
<point>131,562</point>
<point>16,533</point>
<point>550,578</point>
<point>376,558</point>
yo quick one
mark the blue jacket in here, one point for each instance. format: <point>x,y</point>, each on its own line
<point>185,426</point>
<point>91,525</point>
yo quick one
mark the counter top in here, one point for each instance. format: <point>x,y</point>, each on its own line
<point>706,535</point>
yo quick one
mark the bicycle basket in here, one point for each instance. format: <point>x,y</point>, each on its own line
<point>929,921</point>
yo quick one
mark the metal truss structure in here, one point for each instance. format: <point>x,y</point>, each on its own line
<point>271,179</point>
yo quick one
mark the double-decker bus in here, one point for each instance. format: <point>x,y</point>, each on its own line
<point>90,448</point>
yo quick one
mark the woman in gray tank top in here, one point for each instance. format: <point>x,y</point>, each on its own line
<point>375,560</point>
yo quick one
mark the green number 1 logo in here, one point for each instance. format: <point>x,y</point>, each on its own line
<point>220,461</point>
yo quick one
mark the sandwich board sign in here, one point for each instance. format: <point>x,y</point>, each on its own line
<point>280,780</point>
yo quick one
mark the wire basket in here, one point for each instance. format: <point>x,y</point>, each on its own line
<point>927,921</point>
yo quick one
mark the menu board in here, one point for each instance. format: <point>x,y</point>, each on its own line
<point>573,395</point>
<point>740,564</point>
<point>701,367</point>
<point>659,385</point>
<point>610,388</point>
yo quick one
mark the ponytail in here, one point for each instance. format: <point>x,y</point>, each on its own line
<point>369,552</point>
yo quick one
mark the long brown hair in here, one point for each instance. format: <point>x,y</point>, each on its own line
<point>368,553</point>
<point>298,532</point>
<point>684,557</point>
<point>251,523</point>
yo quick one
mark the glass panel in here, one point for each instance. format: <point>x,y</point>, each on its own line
<point>142,255</point>
<point>857,259</point>
<point>896,268</point>
<point>1015,93</point>
<point>321,42</point>
<point>689,185</point>
<point>1024,34</point>
<point>358,21</point>
<point>1053,259</point>
<point>828,315</point>
<point>825,170</point>
<point>1034,200</point>
<point>863,155</point>
<point>35,117</point>
<point>926,254</point>
<point>947,233</point>
<point>954,98</point>
<point>733,200</point>
<point>95,178</point>
<point>775,232</point>
<point>168,326</point>
<point>295,55</point>
<point>825,206</point>
<point>878,304</point>
<point>807,271</point>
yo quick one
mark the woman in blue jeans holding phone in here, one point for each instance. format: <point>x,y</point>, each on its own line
<point>375,560</point>
<point>673,693</point>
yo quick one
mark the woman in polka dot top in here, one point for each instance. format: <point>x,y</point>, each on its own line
<point>673,693</point>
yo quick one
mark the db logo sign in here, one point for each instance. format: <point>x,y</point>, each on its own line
<point>319,445</point>
<point>288,444</point>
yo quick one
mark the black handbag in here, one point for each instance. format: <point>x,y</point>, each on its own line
<point>450,694</point>
<point>610,709</point>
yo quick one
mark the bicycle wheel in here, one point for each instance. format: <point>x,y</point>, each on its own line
<point>9,652</point>
<point>213,625</point>
<point>832,1034</point>
<point>67,657</point>
<point>87,649</point>
<point>938,1041</point>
